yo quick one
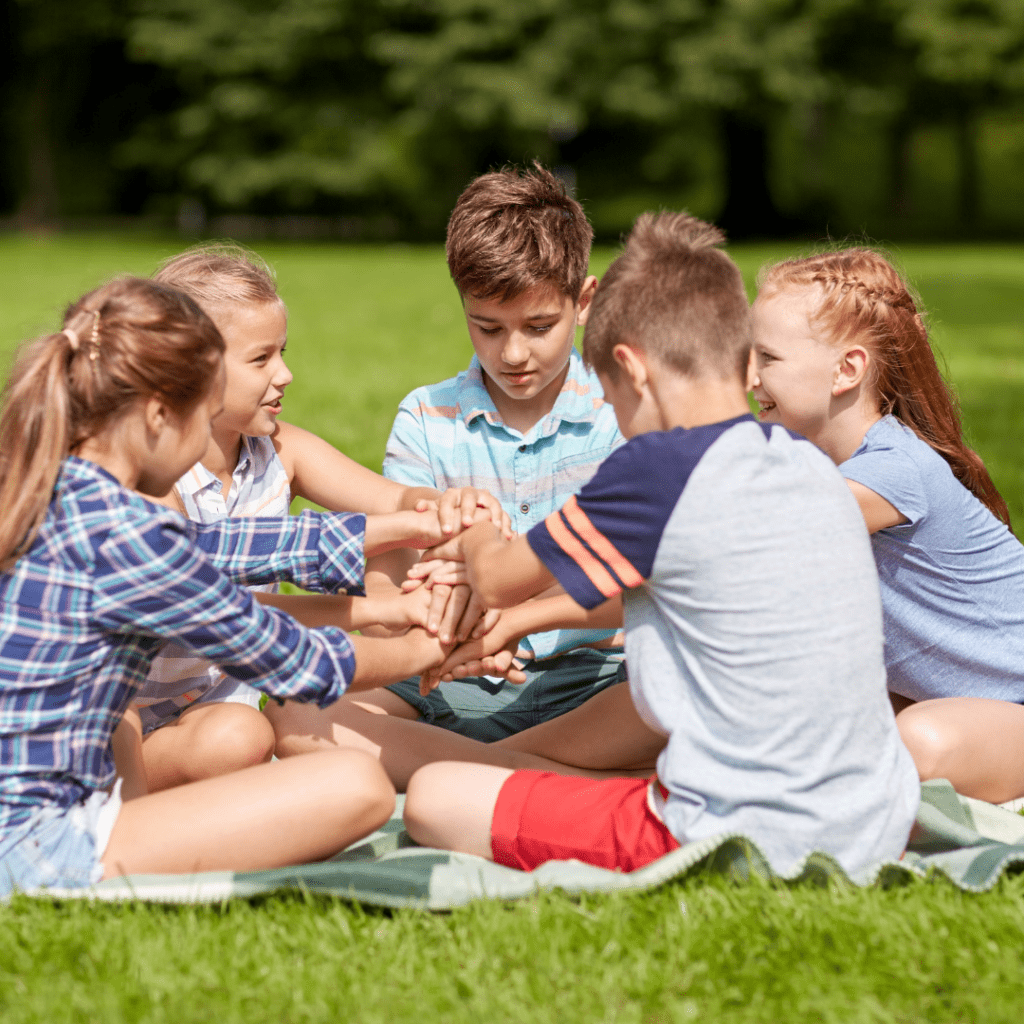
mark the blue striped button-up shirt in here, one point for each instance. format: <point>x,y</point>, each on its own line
<point>109,577</point>
<point>451,435</point>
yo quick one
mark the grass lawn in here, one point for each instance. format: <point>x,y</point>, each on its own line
<point>367,325</point>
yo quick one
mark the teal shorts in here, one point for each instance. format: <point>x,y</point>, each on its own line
<point>489,709</point>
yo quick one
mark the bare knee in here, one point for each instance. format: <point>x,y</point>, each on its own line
<point>425,802</point>
<point>930,739</point>
<point>232,737</point>
<point>361,789</point>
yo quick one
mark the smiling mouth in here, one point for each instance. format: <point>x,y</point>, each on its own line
<point>764,407</point>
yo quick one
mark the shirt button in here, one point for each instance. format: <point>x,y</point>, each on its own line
<point>522,447</point>
<point>524,508</point>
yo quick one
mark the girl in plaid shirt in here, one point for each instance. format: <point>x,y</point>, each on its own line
<point>94,578</point>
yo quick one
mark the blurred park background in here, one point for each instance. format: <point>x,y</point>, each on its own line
<point>363,119</point>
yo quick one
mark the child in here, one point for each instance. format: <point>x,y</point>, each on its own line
<point>196,722</point>
<point>526,421</point>
<point>844,358</point>
<point>93,577</point>
<point>753,631</point>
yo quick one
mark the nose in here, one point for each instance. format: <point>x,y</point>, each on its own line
<point>282,375</point>
<point>515,350</point>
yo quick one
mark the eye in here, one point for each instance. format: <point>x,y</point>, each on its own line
<point>541,328</point>
<point>489,331</point>
<point>765,357</point>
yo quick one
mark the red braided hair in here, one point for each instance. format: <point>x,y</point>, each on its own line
<point>864,297</point>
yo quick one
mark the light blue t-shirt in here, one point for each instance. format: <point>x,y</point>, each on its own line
<point>451,435</point>
<point>753,637</point>
<point>952,577</point>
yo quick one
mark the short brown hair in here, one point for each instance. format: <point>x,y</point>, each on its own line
<point>512,230</point>
<point>672,293</point>
<point>219,273</point>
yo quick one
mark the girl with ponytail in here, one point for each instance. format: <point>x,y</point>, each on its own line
<point>94,578</point>
<point>843,358</point>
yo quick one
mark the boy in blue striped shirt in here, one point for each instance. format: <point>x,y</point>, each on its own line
<point>528,422</point>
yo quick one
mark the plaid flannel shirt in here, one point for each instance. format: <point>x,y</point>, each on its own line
<point>108,579</point>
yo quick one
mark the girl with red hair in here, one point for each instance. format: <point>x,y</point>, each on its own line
<point>843,358</point>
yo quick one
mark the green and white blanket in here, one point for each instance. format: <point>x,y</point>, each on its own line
<point>969,842</point>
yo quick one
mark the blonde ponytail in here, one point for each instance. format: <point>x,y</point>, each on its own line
<point>129,339</point>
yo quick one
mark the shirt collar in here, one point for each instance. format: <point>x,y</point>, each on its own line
<point>199,478</point>
<point>577,402</point>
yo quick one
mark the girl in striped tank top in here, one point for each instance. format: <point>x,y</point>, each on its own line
<point>193,721</point>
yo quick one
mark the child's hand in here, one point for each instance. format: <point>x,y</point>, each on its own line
<point>404,608</point>
<point>435,571</point>
<point>459,508</point>
<point>389,530</point>
<point>454,612</point>
<point>491,652</point>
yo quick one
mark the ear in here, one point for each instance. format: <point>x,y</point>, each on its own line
<point>851,369</point>
<point>586,297</point>
<point>156,415</point>
<point>753,377</point>
<point>633,365</point>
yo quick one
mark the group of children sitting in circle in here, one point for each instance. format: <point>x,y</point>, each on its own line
<point>811,610</point>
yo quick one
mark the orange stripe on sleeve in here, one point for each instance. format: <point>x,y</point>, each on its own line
<point>595,571</point>
<point>606,550</point>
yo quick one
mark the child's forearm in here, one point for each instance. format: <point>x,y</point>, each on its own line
<point>380,661</point>
<point>380,608</point>
<point>502,573</point>
<point>559,612</point>
<point>400,530</point>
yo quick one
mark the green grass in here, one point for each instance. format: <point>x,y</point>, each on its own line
<point>367,325</point>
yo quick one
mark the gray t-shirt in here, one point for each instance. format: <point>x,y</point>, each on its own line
<point>952,577</point>
<point>753,637</point>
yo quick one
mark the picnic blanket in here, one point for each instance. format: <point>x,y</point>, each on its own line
<point>968,842</point>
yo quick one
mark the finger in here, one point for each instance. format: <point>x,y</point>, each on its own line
<point>438,600</point>
<point>470,500</point>
<point>486,623</point>
<point>453,613</point>
<point>449,510</point>
<point>470,617</point>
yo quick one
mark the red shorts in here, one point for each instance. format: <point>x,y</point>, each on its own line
<point>540,816</point>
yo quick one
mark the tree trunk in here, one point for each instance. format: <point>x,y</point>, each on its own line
<point>899,139</point>
<point>38,204</point>
<point>749,210</point>
<point>968,183</point>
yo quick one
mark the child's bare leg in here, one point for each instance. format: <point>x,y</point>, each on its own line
<point>451,806</point>
<point>127,747</point>
<point>604,733</point>
<point>973,742</point>
<point>307,808</point>
<point>402,746</point>
<point>207,740</point>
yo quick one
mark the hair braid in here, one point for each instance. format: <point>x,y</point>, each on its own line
<point>864,297</point>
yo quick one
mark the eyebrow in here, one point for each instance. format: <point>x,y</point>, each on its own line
<point>546,315</point>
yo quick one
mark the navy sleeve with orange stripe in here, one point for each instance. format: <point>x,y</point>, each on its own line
<point>604,540</point>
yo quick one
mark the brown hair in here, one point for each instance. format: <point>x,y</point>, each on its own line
<point>674,294</point>
<point>127,340</point>
<point>220,273</point>
<point>863,296</point>
<point>512,230</point>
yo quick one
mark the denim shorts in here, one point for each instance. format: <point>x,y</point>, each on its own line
<point>489,709</point>
<point>59,848</point>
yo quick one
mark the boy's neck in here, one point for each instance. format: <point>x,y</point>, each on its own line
<point>221,456</point>
<point>689,402</point>
<point>524,415</point>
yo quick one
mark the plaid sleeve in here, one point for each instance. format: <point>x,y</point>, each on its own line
<point>319,551</point>
<point>151,580</point>
<point>407,457</point>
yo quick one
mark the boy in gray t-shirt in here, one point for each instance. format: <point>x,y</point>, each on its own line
<point>753,624</point>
